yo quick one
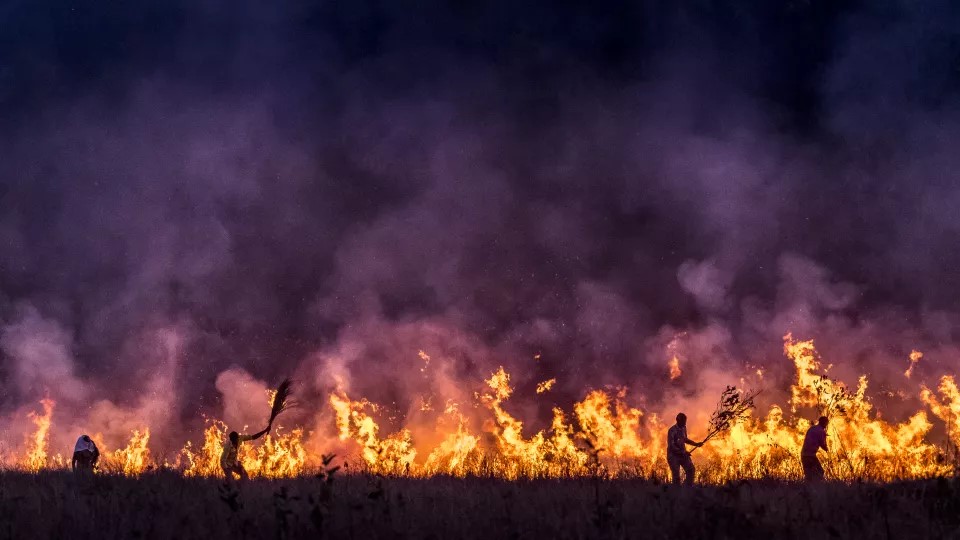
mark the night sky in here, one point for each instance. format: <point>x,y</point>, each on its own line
<point>322,189</point>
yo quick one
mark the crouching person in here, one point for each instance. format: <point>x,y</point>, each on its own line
<point>85,455</point>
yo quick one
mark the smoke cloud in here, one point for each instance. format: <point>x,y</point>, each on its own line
<point>198,200</point>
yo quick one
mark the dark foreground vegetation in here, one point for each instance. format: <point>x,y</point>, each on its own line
<point>58,505</point>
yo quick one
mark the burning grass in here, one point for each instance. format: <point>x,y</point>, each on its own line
<point>605,436</point>
<point>56,504</point>
<point>602,435</point>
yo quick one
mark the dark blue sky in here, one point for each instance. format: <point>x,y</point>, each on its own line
<point>776,50</point>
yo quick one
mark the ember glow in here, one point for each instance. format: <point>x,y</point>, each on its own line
<point>545,386</point>
<point>915,357</point>
<point>601,434</point>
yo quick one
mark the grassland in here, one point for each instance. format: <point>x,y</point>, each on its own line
<point>165,505</point>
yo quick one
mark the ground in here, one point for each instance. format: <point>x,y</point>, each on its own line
<point>165,505</point>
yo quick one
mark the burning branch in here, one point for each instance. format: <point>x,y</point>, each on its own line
<point>281,399</point>
<point>833,398</point>
<point>733,406</point>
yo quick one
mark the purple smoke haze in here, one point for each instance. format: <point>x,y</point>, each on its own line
<point>195,207</point>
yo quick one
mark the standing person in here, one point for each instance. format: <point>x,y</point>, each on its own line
<point>815,439</point>
<point>677,455</point>
<point>85,455</point>
<point>230,458</point>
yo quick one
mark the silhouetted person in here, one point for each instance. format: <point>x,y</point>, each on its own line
<point>677,455</point>
<point>230,458</point>
<point>815,439</point>
<point>85,455</point>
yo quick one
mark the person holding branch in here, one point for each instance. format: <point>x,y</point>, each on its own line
<point>734,406</point>
<point>230,458</point>
<point>677,455</point>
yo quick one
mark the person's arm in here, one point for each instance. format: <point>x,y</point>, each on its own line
<point>256,435</point>
<point>96,455</point>
<point>693,443</point>
<point>823,441</point>
<point>73,463</point>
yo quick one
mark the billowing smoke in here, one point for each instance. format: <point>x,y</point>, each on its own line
<point>198,200</point>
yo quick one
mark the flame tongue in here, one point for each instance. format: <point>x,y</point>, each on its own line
<point>131,460</point>
<point>36,457</point>
<point>610,437</point>
<point>602,434</point>
<point>674,365</point>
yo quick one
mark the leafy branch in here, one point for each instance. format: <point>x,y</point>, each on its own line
<point>734,405</point>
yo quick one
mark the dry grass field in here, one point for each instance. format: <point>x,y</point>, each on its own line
<point>58,505</point>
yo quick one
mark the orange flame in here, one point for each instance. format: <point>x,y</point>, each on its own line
<point>599,435</point>
<point>279,456</point>
<point>545,386</point>
<point>674,365</point>
<point>132,460</point>
<point>609,437</point>
<point>36,457</point>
